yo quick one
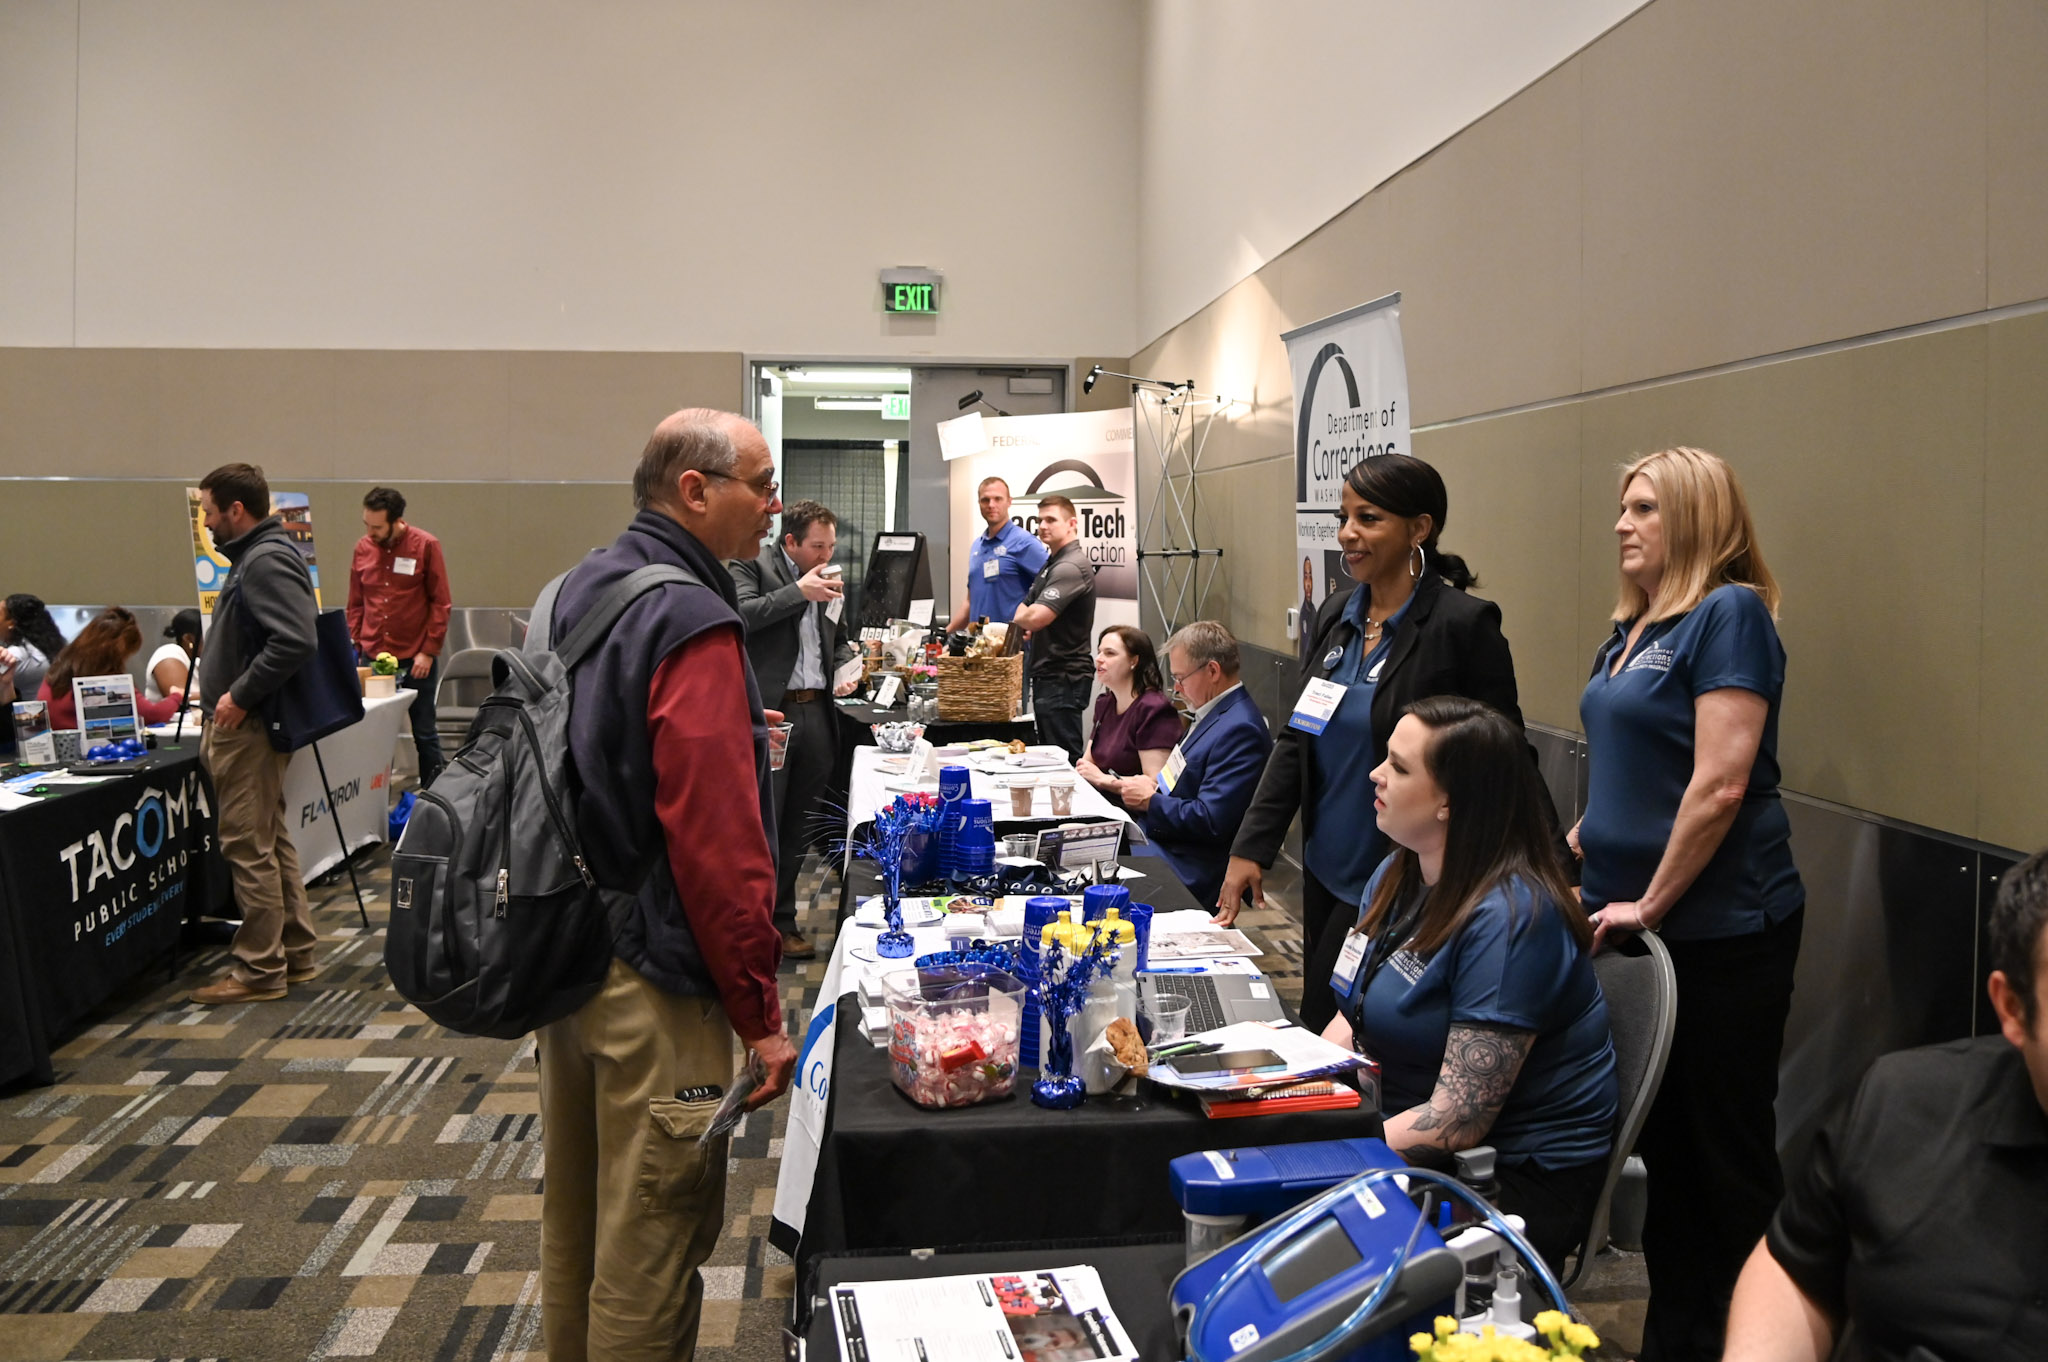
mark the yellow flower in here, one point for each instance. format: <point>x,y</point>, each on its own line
<point>1550,1322</point>
<point>1420,1343</point>
<point>1446,1326</point>
<point>1580,1336</point>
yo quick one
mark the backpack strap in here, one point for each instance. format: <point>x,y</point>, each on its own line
<point>540,625</point>
<point>591,629</point>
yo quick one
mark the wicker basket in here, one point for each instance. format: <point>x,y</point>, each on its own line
<point>980,690</point>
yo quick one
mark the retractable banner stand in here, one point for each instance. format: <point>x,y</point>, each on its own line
<point>1089,457</point>
<point>211,566</point>
<point>1350,403</point>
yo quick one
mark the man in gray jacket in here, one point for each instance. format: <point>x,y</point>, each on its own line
<point>263,632</point>
<point>792,604</point>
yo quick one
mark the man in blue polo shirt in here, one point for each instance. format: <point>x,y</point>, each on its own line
<point>1001,563</point>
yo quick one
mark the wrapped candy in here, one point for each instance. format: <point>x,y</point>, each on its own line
<point>953,1034</point>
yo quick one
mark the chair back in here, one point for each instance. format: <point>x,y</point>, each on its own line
<point>1641,990</point>
<point>465,684</point>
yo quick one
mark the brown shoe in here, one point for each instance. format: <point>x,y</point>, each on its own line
<point>299,974</point>
<point>794,947</point>
<point>228,989</point>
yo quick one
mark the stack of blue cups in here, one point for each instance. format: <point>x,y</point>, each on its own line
<point>975,849</point>
<point>953,787</point>
<point>1040,912</point>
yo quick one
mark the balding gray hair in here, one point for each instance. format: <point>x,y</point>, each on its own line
<point>1206,641</point>
<point>700,441</point>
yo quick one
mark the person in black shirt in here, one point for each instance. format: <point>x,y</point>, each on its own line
<point>1059,610</point>
<point>1918,1230</point>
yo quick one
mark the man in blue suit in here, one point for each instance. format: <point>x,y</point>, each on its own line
<point>1191,809</point>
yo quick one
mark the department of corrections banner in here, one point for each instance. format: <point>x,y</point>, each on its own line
<point>1350,403</point>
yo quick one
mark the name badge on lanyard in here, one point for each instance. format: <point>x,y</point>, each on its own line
<point>1344,977</point>
<point>1318,702</point>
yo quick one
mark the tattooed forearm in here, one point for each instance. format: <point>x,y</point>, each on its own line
<point>1480,1066</point>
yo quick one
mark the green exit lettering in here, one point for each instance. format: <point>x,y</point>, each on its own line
<point>911,298</point>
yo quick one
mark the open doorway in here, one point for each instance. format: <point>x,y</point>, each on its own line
<point>862,439</point>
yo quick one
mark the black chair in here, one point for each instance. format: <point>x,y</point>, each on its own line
<point>465,684</point>
<point>1642,1008</point>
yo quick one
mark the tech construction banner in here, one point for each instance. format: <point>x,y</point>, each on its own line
<point>1350,403</point>
<point>210,565</point>
<point>1087,457</point>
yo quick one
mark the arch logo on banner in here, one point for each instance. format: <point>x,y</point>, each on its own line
<point>1350,403</point>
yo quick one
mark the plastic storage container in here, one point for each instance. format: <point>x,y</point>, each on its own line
<point>953,1034</point>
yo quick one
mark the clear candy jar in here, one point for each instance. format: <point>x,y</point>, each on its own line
<point>953,1033</point>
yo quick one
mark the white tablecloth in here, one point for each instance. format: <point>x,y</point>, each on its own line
<point>359,768</point>
<point>868,793</point>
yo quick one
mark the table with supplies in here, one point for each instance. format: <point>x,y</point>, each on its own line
<point>97,875</point>
<point>358,762</point>
<point>865,1170</point>
<point>856,730</point>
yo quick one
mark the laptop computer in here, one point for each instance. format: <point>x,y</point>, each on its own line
<point>1215,999</point>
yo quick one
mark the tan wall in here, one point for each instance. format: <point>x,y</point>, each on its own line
<point>1714,182</point>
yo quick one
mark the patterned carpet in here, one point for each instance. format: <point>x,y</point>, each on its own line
<point>332,1175</point>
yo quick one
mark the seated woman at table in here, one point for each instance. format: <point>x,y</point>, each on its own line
<point>1136,725</point>
<point>102,648</point>
<point>175,665</point>
<point>1469,975</point>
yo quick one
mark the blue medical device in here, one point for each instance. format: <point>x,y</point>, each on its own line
<point>1345,1276</point>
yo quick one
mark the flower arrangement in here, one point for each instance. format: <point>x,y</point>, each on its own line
<point>910,816</point>
<point>384,664</point>
<point>1063,992</point>
<point>922,671</point>
<point>1562,1338</point>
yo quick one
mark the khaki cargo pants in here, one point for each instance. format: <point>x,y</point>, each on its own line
<point>631,1207</point>
<point>248,790</point>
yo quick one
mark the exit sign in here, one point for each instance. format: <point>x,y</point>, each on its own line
<point>911,298</point>
<point>895,406</point>
<point>911,288</point>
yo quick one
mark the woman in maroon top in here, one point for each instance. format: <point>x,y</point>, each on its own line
<point>102,648</point>
<point>1136,726</point>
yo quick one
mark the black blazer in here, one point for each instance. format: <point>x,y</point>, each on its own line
<point>1449,643</point>
<point>771,607</point>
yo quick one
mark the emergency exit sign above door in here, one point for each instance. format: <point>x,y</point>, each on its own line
<point>908,288</point>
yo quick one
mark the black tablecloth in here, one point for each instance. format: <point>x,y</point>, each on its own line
<point>94,885</point>
<point>892,1175</point>
<point>1137,1278</point>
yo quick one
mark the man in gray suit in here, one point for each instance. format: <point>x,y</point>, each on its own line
<point>792,603</point>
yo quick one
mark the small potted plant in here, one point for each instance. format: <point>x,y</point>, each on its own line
<point>383,678</point>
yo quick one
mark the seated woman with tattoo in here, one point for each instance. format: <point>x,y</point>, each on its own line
<point>1469,978</point>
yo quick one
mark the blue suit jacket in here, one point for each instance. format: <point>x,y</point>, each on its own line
<point>1194,826</point>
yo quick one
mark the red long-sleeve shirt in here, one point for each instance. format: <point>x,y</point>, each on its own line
<point>398,599</point>
<point>706,797</point>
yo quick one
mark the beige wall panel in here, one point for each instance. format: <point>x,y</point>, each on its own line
<point>1483,242</point>
<point>550,529</point>
<point>1244,512</point>
<point>80,413</point>
<point>38,394</point>
<point>469,518</point>
<point>588,415</point>
<point>1761,176</point>
<point>269,407</point>
<point>420,414</point>
<point>2012,751</point>
<point>142,554</point>
<point>1826,449</point>
<point>2018,146</point>
<point>1515,514</point>
<point>1233,347</point>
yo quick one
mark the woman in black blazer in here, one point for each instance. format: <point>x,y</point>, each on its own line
<point>1406,631</point>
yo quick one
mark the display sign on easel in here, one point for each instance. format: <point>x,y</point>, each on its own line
<point>294,511</point>
<point>106,709</point>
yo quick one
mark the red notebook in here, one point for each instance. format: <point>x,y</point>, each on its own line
<point>1300,1097</point>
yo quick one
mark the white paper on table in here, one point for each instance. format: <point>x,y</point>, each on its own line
<point>1209,940</point>
<point>996,1317</point>
<point>10,800</point>
<point>1303,1054</point>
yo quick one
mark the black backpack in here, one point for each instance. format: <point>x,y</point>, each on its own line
<point>498,926</point>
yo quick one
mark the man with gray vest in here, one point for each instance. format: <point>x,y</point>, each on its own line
<point>666,729</point>
<point>264,623</point>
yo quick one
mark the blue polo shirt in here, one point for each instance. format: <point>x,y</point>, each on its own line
<point>1344,841</point>
<point>1514,963</point>
<point>1018,556</point>
<point>1639,732</point>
